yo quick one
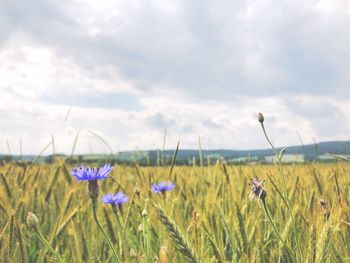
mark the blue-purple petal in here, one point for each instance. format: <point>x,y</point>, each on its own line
<point>87,174</point>
<point>117,199</point>
<point>162,187</point>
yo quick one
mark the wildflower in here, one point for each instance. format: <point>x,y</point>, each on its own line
<point>115,200</point>
<point>88,174</point>
<point>92,175</point>
<point>261,117</point>
<point>257,190</point>
<point>162,187</point>
<point>326,213</point>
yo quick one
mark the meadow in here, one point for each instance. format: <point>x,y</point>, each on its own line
<point>207,217</point>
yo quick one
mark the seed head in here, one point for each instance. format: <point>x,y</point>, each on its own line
<point>32,220</point>
<point>261,117</point>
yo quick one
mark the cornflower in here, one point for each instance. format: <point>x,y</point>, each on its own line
<point>92,175</point>
<point>162,187</point>
<point>116,200</point>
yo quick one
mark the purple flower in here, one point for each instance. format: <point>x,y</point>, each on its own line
<point>92,175</point>
<point>88,174</point>
<point>162,187</point>
<point>117,199</point>
<point>257,190</point>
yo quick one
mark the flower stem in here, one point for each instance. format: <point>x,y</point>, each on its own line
<point>119,230</point>
<point>275,228</point>
<point>94,205</point>
<point>279,162</point>
<point>288,201</point>
<point>42,239</point>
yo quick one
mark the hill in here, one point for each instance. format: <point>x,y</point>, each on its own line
<point>310,152</point>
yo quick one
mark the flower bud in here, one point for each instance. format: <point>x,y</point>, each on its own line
<point>32,220</point>
<point>144,212</point>
<point>140,228</point>
<point>261,117</point>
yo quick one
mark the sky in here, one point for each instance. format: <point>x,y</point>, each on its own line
<point>122,72</point>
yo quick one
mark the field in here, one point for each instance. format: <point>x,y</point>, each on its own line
<point>207,217</point>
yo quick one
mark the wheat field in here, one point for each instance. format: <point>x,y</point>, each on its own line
<point>207,217</point>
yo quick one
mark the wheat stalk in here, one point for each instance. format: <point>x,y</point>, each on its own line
<point>178,239</point>
<point>242,229</point>
<point>312,245</point>
<point>324,244</point>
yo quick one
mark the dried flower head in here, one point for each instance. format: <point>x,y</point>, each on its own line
<point>325,211</point>
<point>323,203</point>
<point>257,189</point>
<point>261,117</point>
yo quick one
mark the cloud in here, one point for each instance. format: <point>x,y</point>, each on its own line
<point>129,70</point>
<point>328,117</point>
<point>259,48</point>
<point>160,121</point>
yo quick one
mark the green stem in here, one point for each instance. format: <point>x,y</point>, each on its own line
<point>42,239</point>
<point>279,161</point>
<point>280,168</point>
<point>146,239</point>
<point>120,225</point>
<point>268,140</point>
<point>119,230</point>
<point>94,205</point>
<point>275,228</point>
<point>128,214</point>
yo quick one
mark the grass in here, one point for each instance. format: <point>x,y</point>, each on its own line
<point>208,217</point>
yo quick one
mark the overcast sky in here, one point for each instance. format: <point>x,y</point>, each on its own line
<point>130,69</point>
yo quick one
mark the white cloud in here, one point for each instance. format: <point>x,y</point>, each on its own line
<point>31,72</point>
<point>132,69</point>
